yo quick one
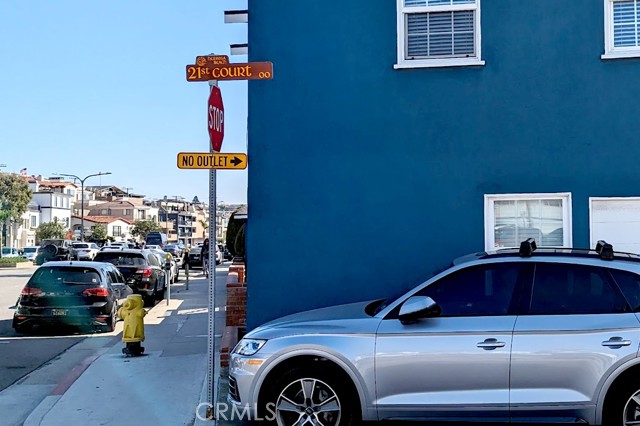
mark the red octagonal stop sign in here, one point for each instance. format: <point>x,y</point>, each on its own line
<point>216,118</point>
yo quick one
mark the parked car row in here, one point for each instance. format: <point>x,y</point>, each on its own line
<point>86,293</point>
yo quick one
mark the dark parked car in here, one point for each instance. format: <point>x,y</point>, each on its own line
<point>226,254</point>
<point>174,249</point>
<point>141,269</point>
<point>195,256</point>
<point>70,293</point>
<point>55,249</point>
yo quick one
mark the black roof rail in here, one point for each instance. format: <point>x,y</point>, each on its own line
<point>604,249</point>
<point>527,247</point>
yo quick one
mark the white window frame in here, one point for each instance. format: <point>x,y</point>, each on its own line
<point>490,220</point>
<point>402,42</point>
<point>610,51</point>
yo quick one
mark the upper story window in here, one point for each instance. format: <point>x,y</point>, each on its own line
<point>622,29</point>
<point>438,33</point>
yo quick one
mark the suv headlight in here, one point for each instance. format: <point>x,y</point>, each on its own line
<point>248,347</point>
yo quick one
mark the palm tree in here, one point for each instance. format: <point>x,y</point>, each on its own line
<point>205,225</point>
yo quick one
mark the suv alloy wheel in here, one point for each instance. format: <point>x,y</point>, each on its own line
<point>311,396</point>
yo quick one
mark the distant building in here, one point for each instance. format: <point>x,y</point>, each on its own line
<point>117,227</point>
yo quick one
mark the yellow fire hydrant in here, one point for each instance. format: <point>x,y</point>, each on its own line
<point>133,312</point>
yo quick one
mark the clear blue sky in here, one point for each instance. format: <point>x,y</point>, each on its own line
<point>89,86</point>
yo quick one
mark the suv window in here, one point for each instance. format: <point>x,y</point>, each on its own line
<point>153,260</point>
<point>574,289</point>
<point>480,290</point>
<point>121,259</point>
<point>629,283</point>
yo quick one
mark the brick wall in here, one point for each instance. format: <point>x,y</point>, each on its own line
<point>236,297</point>
<point>236,313</point>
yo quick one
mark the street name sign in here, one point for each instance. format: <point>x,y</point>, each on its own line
<point>202,61</point>
<point>216,118</point>
<point>205,160</point>
<point>223,72</point>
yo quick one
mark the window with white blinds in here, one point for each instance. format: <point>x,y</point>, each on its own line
<point>622,28</point>
<point>512,218</point>
<point>438,33</point>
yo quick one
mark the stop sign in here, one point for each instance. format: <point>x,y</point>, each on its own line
<point>216,118</point>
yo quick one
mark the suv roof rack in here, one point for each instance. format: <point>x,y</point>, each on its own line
<point>604,249</point>
<point>527,247</point>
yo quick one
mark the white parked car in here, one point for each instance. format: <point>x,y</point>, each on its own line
<point>10,252</point>
<point>86,251</point>
<point>29,253</point>
<point>174,272</point>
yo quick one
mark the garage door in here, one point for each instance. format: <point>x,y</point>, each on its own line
<point>617,221</point>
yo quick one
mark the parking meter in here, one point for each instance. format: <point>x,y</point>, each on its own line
<point>167,267</point>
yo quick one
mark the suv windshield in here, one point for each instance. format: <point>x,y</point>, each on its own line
<point>30,249</point>
<point>54,242</point>
<point>80,245</point>
<point>121,259</point>
<point>154,240</point>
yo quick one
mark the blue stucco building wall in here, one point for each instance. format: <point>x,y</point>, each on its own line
<point>364,180</point>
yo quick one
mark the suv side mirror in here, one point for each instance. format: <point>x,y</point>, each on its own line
<point>417,307</point>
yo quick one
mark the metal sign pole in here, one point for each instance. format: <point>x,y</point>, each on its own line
<point>167,266</point>
<point>212,282</point>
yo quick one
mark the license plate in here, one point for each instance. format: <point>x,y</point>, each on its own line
<point>59,312</point>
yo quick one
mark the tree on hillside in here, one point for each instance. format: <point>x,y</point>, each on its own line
<point>205,225</point>
<point>98,233</point>
<point>15,196</point>
<point>50,230</point>
<point>142,227</point>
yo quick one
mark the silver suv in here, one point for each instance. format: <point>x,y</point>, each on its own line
<point>546,335</point>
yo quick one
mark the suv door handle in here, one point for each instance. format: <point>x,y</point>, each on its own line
<point>616,342</point>
<point>490,344</point>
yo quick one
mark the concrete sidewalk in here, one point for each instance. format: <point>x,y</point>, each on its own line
<point>163,387</point>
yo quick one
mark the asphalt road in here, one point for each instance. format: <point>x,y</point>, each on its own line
<point>20,355</point>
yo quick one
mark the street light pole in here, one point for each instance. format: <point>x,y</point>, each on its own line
<point>166,217</point>
<point>82,196</point>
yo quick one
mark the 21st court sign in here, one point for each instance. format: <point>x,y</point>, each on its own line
<point>223,72</point>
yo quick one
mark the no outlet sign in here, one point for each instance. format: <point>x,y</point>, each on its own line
<point>216,118</point>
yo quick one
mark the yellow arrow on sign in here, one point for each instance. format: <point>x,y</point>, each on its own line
<point>205,160</point>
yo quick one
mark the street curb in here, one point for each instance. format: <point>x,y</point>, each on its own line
<point>41,410</point>
<point>37,415</point>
